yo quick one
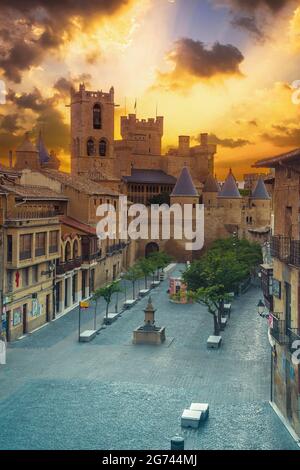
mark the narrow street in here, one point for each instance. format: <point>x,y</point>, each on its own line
<point>57,393</point>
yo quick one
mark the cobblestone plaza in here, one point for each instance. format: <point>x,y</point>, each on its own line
<point>57,393</point>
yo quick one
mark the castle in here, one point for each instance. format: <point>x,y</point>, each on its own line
<point>135,166</point>
<point>52,257</point>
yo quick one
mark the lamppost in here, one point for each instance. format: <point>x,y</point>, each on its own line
<point>261,309</point>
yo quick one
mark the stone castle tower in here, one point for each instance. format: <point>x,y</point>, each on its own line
<point>143,135</point>
<point>92,132</point>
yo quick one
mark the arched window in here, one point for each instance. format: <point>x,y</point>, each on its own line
<point>102,148</point>
<point>90,147</point>
<point>97,121</point>
<point>75,249</point>
<point>68,251</point>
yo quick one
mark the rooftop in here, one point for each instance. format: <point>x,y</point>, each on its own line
<point>229,189</point>
<point>211,185</point>
<point>184,185</point>
<point>271,162</point>
<point>260,191</point>
<point>80,226</point>
<point>149,177</point>
<point>80,183</point>
<point>33,192</point>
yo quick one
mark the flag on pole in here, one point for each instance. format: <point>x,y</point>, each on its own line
<point>135,105</point>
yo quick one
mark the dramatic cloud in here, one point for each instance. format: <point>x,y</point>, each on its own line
<point>286,137</point>
<point>195,60</point>
<point>33,100</point>
<point>29,30</point>
<point>9,123</point>
<point>229,143</point>
<point>249,24</point>
<point>64,85</point>
<point>252,5</point>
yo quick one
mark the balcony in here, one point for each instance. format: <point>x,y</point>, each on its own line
<point>27,215</point>
<point>53,249</point>
<point>67,266</point>
<point>118,247</point>
<point>25,255</point>
<point>40,251</point>
<point>286,250</point>
<point>278,329</point>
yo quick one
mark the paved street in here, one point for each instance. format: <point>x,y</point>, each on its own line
<point>109,394</point>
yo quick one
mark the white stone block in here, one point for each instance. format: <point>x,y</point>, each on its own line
<point>87,336</point>
<point>129,303</point>
<point>214,342</point>
<point>190,419</point>
<point>144,292</point>
<point>203,407</point>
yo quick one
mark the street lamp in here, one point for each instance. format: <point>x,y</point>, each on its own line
<point>261,309</point>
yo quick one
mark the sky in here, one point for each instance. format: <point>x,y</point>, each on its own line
<point>225,67</point>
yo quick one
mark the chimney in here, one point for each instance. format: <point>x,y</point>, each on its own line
<point>204,139</point>
<point>10,158</point>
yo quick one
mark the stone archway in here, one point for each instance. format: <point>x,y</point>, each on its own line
<point>151,247</point>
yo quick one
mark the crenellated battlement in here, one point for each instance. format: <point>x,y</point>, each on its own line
<point>100,95</point>
<point>130,123</point>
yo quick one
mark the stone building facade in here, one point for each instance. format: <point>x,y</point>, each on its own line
<point>285,315</point>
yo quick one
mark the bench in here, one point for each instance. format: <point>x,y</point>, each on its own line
<point>87,336</point>
<point>203,407</point>
<point>155,283</point>
<point>190,419</point>
<point>144,292</point>
<point>129,303</point>
<point>223,323</point>
<point>111,317</point>
<point>214,342</point>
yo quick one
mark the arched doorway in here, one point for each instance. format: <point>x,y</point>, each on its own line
<point>151,247</point>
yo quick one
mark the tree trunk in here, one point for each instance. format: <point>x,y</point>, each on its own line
<point>220,311</point>
<point>133,289</point>
<point>145,282</point>
<point>107,305</point>
<point>216,326</point>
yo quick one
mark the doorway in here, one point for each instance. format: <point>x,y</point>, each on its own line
<point>8,320</point>
<point>24,319</point>
<point>47,307</point>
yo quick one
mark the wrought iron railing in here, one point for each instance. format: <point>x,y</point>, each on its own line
<point>25,255</point>
<point>285,249</point>
<point>69,265</point>
<point>278,328</point>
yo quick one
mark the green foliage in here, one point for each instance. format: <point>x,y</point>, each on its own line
<point>160,259</point>
<point>163,198</point>
<point>223,267</point>
<point>133,274</point>
<point>107,292</point>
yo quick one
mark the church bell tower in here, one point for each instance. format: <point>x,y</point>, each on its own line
<point>92,132</point>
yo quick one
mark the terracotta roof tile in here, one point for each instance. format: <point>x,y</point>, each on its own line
<point>33,192</point>
<point>80,183</point>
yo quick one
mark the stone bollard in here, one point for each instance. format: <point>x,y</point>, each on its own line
<point>177,443</point>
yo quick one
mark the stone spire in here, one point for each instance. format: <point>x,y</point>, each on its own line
<point>229,189</point>
<point>184,185</point>
<point>44,156</point>
<point>260,191</point>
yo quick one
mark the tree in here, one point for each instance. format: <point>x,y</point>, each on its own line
<point>226,264</point>
<point>107,293</point>
<point>163,198</point>
<point>133,274</point>
<point>147,267</point>
<point>95,298</point>
<point>160,259</point>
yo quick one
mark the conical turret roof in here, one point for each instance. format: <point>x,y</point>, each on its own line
<point>184,185</point>
<point>26,145</point>
<point>211,185</point>
<point>44,156</point>
<point>229,189</point>
<point>260,191</point>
